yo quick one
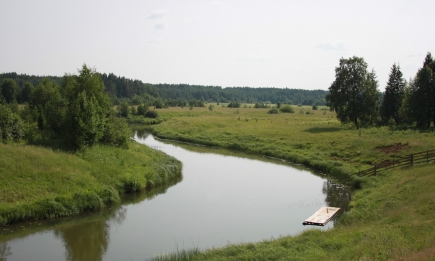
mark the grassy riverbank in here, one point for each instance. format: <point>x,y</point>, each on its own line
<point>391,216</point>
<point>38,183</point>
<point>312,138</point>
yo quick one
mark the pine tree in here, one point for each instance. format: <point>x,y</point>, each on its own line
<point>393,97</point>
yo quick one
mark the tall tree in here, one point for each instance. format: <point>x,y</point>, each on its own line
<point>9,90</point>
<point>88,108</point>
<point>393,97</point>
<point>421,99</point>
<point>49,105</point>
<point>26,92</point>
<point>353,95</point>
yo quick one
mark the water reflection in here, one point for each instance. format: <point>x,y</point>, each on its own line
<point>84,237</point>
<point>88,241</point>
<point>5,251</point>
<point>337,196</point>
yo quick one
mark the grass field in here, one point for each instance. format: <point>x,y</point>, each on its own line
<point>315,139</point>
<point>392,214</point>
<point>37,182</point>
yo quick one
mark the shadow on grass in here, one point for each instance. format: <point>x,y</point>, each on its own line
<point>323,129</point>
<point>53,143</point>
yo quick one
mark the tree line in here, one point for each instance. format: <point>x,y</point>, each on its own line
<point>135,92</point>
<point>355,97</point>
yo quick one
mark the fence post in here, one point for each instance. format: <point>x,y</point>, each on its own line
<point>374,167</point>
<point>393,162</point>
<point>427,155</point>
<point>412,159</point>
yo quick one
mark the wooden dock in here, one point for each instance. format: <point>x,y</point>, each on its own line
<point>321,217</point>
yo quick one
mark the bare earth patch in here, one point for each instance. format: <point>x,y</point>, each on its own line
<point>393,148</point>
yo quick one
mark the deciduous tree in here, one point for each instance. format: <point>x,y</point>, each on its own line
<point>353,95</point>
<point>9,90</point>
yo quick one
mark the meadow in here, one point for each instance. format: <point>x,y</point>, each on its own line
<point>38,182</point>
<point>310,137</point>
<point>391,216</point>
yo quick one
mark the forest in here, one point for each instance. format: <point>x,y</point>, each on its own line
<point>135,92</point>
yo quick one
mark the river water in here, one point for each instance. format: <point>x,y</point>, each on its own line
<point>220,200</point>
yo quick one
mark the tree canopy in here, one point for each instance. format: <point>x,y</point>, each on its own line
<point>393,96</point>
<point>353,95</point>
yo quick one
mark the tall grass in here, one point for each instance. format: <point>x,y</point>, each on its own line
<point>38,183</point>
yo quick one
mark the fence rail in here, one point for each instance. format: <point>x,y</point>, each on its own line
<point>407,160</point>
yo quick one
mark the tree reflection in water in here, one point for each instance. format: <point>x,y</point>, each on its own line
<point>88,238</point>
<point>5,251</point>
<point>338,196</point>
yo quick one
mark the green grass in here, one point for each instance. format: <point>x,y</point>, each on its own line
<point>391,216</point>
<point>316,140</point>
<point>37,182</point>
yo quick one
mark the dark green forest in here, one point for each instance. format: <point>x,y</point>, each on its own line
<point>135,92</point>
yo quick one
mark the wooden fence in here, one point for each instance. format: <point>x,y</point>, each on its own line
<point>407,160</point>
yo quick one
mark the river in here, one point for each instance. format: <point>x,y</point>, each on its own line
<point>222,199</point>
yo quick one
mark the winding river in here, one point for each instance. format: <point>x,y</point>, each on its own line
<point>222,199</point>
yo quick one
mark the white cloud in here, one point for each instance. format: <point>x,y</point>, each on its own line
<point>157,14</point>
<point>332,46</point>
<point>161,25</point>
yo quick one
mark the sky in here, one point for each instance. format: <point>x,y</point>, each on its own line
<point>275,43</point>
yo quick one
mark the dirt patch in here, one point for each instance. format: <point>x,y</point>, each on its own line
<point>393,148</point>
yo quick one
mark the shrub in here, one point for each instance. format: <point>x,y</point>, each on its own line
<point>116,132</point>
<point>287,109</point>
<point>11,125</point>
<point>234,104</point>
<point>273,111</point>
<point>142,109</point>
<point>151,114</point>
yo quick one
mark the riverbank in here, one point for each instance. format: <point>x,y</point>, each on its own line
<point>391,216</point>
<point>313,138</point>
<point>39,183</point>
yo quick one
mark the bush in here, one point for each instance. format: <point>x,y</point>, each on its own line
<point>151,114</point>
<point>142,109</point>
<point>234,104</point>
<point>287,109</point>
<point>11,125</point>
<point>261,105</point>
<point>116,132</point>
<point>273,111</point>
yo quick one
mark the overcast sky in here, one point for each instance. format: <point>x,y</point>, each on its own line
<point>294,44</point>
